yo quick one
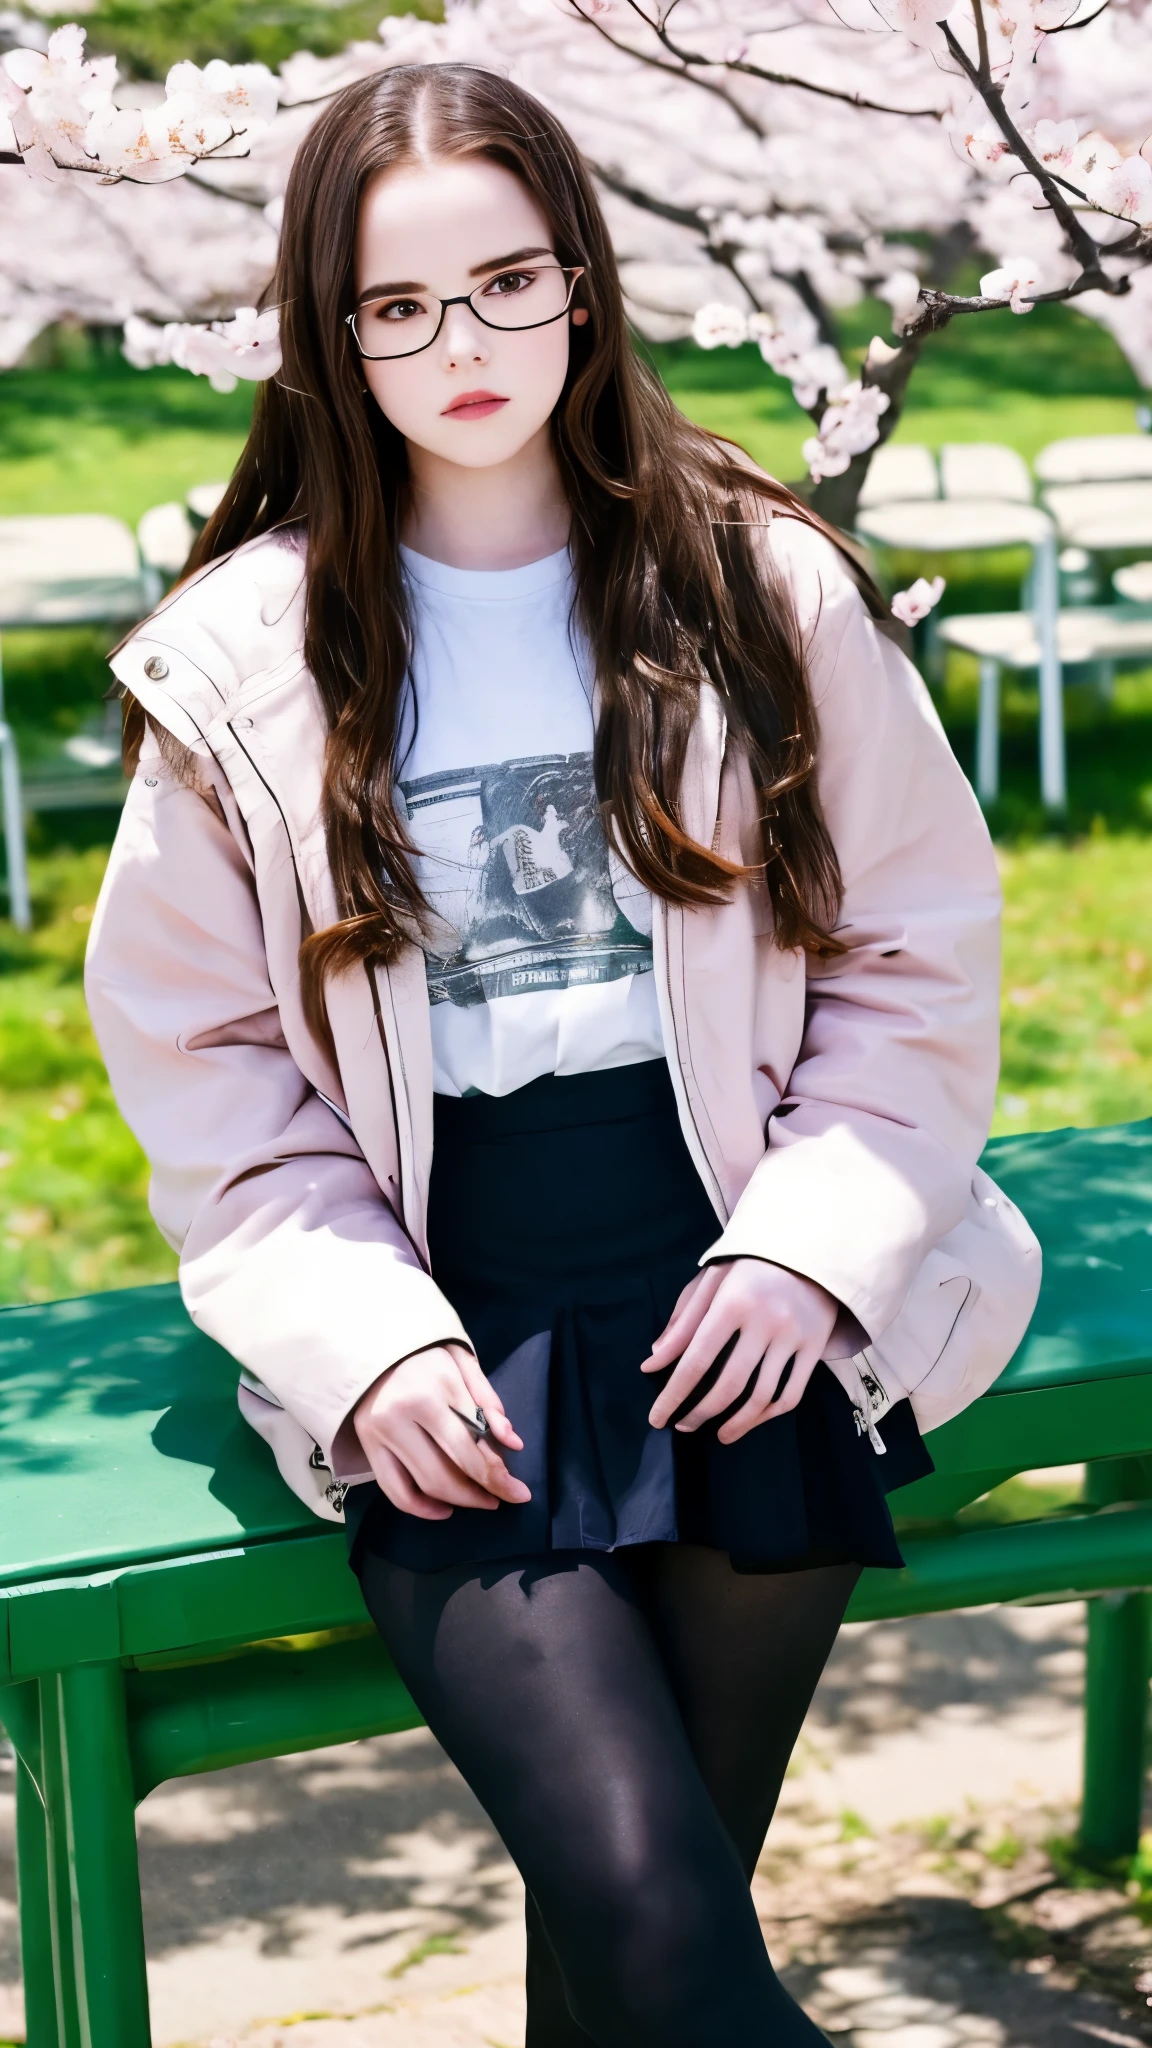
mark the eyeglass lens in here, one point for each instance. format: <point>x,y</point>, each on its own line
<point>404,324</point>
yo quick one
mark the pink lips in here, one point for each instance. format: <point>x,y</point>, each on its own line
<point>473,405</point>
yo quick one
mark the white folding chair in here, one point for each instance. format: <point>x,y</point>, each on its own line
<point>165,534</point>
<point>1095,458</point>
<point>999,640</point>
<point>963,525</point>
<point>1103,517</point>
<point>1134,583</point>
<point>900,473</point>
<point>984,469</point>
<point>202,501</point>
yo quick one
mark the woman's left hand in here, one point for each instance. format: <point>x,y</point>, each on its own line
<point>774,1315</point>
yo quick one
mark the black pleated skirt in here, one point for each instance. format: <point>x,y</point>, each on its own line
<point>564,1219</point>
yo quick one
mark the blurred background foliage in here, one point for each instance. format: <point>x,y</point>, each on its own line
<point>81,431</point>
<point>147,36</point>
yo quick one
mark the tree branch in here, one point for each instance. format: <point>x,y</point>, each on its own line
<point>665,209</point>
<point>692,60</point>
<point>723,253</point>
<point>1086,251</point>
<point>1064,28</point>
<point>219,192</point>
<point>941,307</point>
<point>710,85</point>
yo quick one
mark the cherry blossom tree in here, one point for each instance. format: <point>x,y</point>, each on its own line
<point>763,163</point>
<point>794,147</point>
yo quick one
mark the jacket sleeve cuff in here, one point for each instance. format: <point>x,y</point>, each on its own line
<point>346,1459</point>
<point>851,1209</point>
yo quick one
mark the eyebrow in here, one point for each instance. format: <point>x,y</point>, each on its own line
<point>411,284</point>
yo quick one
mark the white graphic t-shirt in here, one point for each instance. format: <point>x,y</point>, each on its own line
<point>541,959</point>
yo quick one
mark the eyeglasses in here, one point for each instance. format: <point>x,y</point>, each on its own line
<point>512,300</point>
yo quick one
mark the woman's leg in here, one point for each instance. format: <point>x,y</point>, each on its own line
<point>544,1683</point>
<point>744,1652</point>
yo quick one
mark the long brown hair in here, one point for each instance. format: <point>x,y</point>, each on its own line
<point>669,584</point>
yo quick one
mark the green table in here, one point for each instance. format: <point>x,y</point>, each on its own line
<point>156,1578</point>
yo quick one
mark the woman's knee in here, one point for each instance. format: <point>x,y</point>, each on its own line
<point>666,1957</point>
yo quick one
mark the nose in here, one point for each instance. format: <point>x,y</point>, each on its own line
<point>463,338</point>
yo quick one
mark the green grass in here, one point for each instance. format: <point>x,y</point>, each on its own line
<point>73,1208</point>
<point>98,436</point>
<point>95,435</point>
<point>149,35</point>
<point>1077,991</point>
<point>1077,1003</point>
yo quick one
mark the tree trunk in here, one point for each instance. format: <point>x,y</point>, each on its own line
<point>836,497</point>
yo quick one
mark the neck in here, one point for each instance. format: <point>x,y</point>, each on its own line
<point>499,517</point>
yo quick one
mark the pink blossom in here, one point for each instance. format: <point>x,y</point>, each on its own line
<point>1017,280</point>
<point>1093,153</point>
<point>1054,142</point>
<point>60,107</point>
<point>1124,188</point>
<point>145,344</point>
<point>915,603</point>
<point>206,112</point>
<point>815,370</point>
<point>58,93</point>
<point>719,326</point>
<point>919,20</point>
<point>247,347</point>
<point>138,142</point>
<point>985,144</point>
<point>850,425</point>
<point>245,94</point>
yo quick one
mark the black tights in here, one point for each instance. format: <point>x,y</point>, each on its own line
<point>626,1720</point>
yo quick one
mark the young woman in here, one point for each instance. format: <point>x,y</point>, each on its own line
<point>550,958</point>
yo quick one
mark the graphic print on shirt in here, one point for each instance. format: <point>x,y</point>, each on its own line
<point>515,861</point>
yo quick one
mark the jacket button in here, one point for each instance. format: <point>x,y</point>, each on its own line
<point>156,667</point>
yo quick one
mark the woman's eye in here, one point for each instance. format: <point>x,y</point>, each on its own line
<point>510,281</point>
<point>399,309</point>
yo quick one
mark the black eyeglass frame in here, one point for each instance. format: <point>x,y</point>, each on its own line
<point>572,271</point>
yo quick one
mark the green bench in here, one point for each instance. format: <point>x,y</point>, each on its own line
<point>167,1606</point>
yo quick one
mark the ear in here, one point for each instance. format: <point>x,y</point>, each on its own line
<point>579,315</point>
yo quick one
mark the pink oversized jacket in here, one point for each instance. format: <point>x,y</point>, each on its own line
<point>834,1109</point>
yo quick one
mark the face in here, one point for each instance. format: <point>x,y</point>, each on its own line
<point>479,394</point>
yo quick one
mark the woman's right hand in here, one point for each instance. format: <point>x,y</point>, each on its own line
<point>422,1455</point>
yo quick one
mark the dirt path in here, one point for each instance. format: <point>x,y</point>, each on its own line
<point>357,1898</point>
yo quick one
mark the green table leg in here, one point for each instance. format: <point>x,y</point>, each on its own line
<point>20,1714</point>
<point>59,1887</point>
<point>35,1912</point>
<point>1116,1693</point>
<point>98,1810</point>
